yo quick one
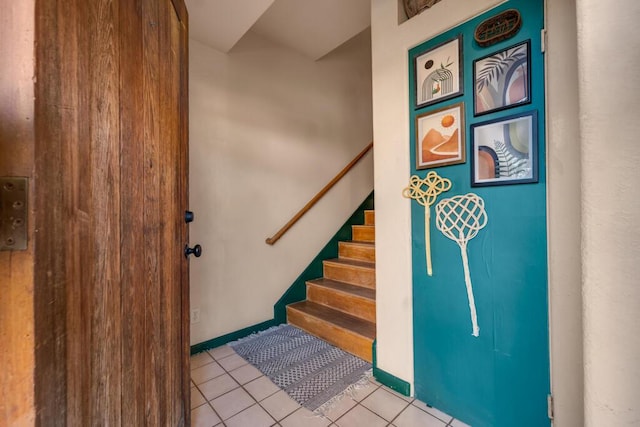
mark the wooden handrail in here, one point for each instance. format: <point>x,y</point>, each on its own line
<point>271,240</point>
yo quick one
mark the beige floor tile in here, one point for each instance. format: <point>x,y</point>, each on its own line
<point>360,417</point>
<point>231,362</point>
<point>197,398</point>
<point>304,418</point>
<point>261,387</point>
<point>457,423</point>
<point>206,372</point>
<point>385,404</point>
<point>340,407</point>
<point>254,416</point>
<point>203,416</point>
<point>245,373</point>
<point>218,386</point>
<point>414,417</point>
<point>221,352</point>
<point>279,405</point>
<point>200,359</point>
<point>433,411</point>
<point>232,403</point>
<point>363,392</point>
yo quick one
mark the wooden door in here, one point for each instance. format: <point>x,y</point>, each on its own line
<point>111,279</point>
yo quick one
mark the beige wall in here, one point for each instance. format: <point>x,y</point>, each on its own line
<point>563,193</point>
<point>390,44</point>
<point>268,129</point>
<point>608,58</point>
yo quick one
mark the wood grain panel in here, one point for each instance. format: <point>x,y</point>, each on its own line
<point>363,233</point>
<point>110,159</point>
<point>369,217</point>
<point>50,273</point>
<point>362,251</point>
<point>184,198</point>
<point>134,302</point>
<point>17,136</point>
<point>151,213</point>
<point>355,300</point>
<point>350,271</point>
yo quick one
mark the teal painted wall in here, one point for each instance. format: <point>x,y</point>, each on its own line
<point>500,378</point>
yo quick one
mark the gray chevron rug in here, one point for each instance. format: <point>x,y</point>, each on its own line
<point>310,370</point>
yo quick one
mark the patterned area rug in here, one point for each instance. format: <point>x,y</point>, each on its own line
<point>310,370</point>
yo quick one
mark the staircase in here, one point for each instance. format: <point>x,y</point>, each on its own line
<point>341,306</point>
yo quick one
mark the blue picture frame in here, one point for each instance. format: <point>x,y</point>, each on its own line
<point>502,79</point>
<point>505,150</point>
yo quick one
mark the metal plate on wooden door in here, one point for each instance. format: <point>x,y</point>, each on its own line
<point>13,214</point>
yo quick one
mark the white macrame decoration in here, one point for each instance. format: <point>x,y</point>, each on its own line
<point>460,218</point>
<point>433,185</point>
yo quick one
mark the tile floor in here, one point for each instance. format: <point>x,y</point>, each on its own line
<point>226,391</point>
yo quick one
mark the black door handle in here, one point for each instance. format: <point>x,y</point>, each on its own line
<point>188,216</point>
<point>196,250</point>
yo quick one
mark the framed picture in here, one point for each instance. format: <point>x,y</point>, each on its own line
<point>438,73</point>
<point>440,137</point>
<point>502,79</point>
<point>505,150</point>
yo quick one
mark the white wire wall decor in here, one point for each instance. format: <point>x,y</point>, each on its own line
<point>460,218</point>
<point>425,191</point>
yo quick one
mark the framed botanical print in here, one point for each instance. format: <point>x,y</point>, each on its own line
<point>502,80</point>
<point>505,150</point>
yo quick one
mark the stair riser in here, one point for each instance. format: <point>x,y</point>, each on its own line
<point>363,308</point>
<point>345,273</point>
<point>346,340</point>
<point>369,218</point>
<point>358,252</point>
<point>363,233</point>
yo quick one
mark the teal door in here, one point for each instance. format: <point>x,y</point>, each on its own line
<point>499,378</point>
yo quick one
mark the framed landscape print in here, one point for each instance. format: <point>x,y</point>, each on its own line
<point>438,73</point>
<point>502,79</point>
<point>505,150</point>
<point>440,137</point>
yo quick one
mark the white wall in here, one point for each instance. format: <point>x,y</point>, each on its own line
<point>390,44</point>
<point>608,47</point>
<point>268,129</point>
<point>563,193</point>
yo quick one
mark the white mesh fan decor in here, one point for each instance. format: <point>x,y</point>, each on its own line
<point>460,218</point>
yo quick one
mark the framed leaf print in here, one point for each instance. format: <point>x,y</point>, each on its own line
<point>438,73</point>
<point>505,150</point>
<point>502,80</point>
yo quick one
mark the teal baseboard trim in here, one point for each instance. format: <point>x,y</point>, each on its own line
<point>298,290</point>
<point>232,336</point>
<point>385,378</point>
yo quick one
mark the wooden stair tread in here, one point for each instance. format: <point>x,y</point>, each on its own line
<point>338,318</point>
<point>359,243</point>
<point>352,263</point>
<point>344,287</point>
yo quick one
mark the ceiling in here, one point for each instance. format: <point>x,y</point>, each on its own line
<point>310,27</point>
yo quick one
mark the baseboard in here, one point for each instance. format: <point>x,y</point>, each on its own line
<point>387,379</point>
<point>232,336</point>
